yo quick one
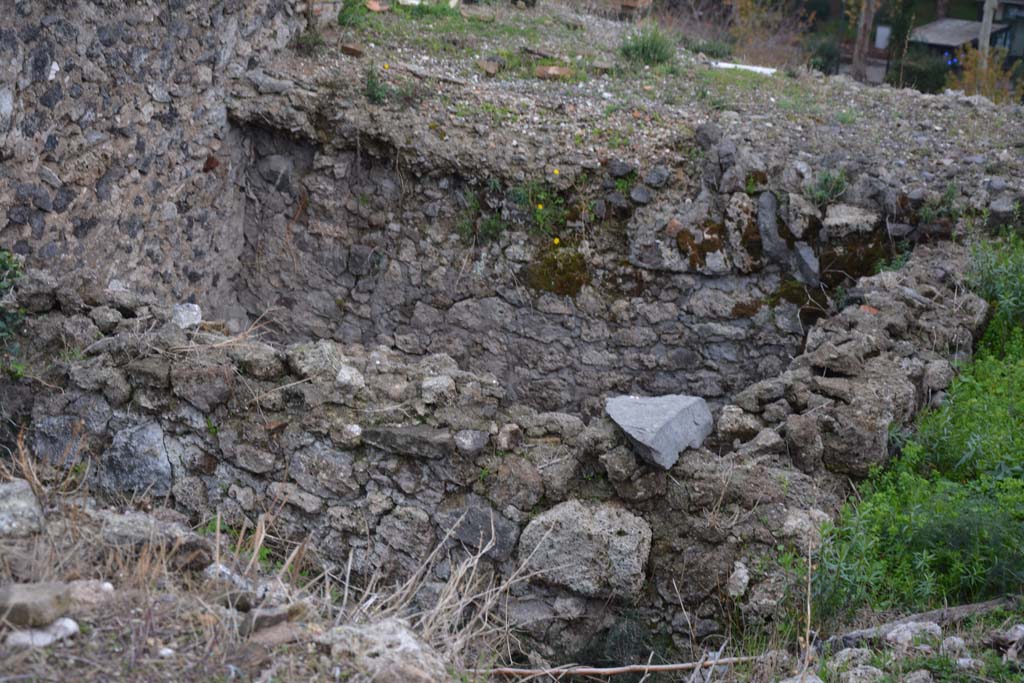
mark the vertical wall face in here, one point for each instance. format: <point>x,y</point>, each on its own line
<point>341,245</point>
<point>116,164</point>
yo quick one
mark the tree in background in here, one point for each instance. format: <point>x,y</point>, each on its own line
<point>985,37</point>
<point>865,22</point>
<point>769,32</point>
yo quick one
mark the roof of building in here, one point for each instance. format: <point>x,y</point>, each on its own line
<point>950,32</point>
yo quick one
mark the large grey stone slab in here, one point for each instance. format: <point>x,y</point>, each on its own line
<point>660,427</point>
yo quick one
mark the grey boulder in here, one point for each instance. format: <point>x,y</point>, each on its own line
<point>137,462</point>
<point>596,550</point>
<point>20,513</point>
<point>660,427</point>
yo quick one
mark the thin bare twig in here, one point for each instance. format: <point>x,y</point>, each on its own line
<point>527,674</point>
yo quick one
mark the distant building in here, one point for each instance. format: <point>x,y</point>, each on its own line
<point>948,35</point>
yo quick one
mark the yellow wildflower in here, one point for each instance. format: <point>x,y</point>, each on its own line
<point>386,67</point>
<point>555,171</point>
<point>556,241</point>
<point>540,207</point>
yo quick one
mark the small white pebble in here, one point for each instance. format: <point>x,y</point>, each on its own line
<point>165,652</point>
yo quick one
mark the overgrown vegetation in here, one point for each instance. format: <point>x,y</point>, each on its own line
<point>376,89</point>
<point>919,68</point>
<point>827,188</point>
<point>997,274</point>
<point>823,53</point>
<point>648,46</point>
<point>943,207</point>
<point>353,14</point>
<point>945,524</point>
<point>544,205</point>
<point>10,316</point>
<point>476,226</point>
<point>997,83</point>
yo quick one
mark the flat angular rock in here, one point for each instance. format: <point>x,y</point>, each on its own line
<point>352,49</point>
<point>660,427</point>
<point>20,513</point>
<point>33,604</point>
<point>420,441</point>
<point>474,522</point>
<point>471,441</point>
<point>185,549</point>
<point>843,221</point>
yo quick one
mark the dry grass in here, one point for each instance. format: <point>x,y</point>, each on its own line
<point>157,606</point>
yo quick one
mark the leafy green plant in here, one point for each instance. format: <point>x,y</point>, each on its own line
<point>491,228</point>
<point>943,207</point>
<point>376,89</point>
<point>545,206</point>
<point>823,53</point>
<point>625,184</point>
<point>996,275</point>
<point>649,46</point>
<point>473,225</point>
<point>846,117</point>
<point>946,522</point>
<point>898,260</point>
<point>429,10</point>
<point>827,188</point>
<point>10,318</point>
<point>353,14</point>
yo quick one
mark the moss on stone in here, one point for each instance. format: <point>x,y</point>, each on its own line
<point>562,271</point>
<point>712,239</point>
<point>746,309</point>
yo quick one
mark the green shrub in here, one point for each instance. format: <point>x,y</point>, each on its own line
<point>823,53</point>
<point>10,271</point>
<point>827,188</point>
<point>545,206</point>
<point>997,274</point>
<point>915,542</point>
<point>920,68</point>
<point>376,89</point>
<point>10,318</point>
<point>946,522</point>
<point>648,46</point>
<point>944,207</point>
<point>979,431</point>
<point>353,14</point>
<point>431,10</point>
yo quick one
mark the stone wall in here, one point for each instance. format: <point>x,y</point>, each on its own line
<point>174,152</point>
<point>374,457</point>
<point>340,245</point>
<point>114,138</point>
